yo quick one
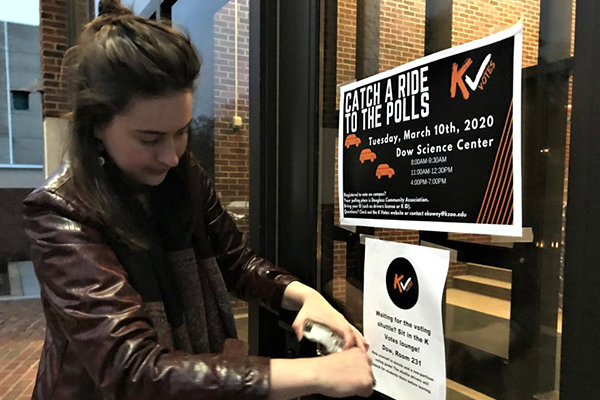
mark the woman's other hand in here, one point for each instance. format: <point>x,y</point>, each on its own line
<point>343,374</point>
<point>347,373</point>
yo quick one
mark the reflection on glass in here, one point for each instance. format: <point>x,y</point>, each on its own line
<point>219,29</point>
<point>478,308</point>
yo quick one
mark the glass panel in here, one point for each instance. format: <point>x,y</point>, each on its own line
<point>503,322</point>
<point>219,134</point>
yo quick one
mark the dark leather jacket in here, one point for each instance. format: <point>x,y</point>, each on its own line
<point>99,343</point>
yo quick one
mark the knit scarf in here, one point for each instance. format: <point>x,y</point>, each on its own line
<point>178,278</point>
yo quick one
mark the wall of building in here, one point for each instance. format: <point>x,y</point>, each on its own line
<point>11,178</point>
<point>23,58</point>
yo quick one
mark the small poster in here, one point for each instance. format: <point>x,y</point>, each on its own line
<point>435,144</point>
<point>402,318</point>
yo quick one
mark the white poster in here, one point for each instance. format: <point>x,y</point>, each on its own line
<point>402,320</point>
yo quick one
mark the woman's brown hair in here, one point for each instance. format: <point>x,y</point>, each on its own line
<point>119,57</point>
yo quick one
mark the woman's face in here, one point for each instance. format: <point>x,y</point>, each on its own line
<point>150,136</point>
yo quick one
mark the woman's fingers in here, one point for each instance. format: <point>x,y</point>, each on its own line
<point>298,326</point>
<point>360,340</point>
<point>349,337</point>
<point>346,374</point>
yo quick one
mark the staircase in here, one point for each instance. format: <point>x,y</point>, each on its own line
<point>478,315</point>
<point>478,309</point>
<point>456,391</point>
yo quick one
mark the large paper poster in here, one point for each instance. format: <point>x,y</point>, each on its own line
<point>402,318</point>
<point>436,144</point>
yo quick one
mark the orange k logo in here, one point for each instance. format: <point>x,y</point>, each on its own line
<point>457,79</point>
<point>397,283</point>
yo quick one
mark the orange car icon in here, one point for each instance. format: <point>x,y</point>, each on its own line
<point>352,139</point>
<point>367,154</point>
<point>384,169</point>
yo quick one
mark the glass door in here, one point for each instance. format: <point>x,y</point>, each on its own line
<point>219,137</point>
<point>503,298</point>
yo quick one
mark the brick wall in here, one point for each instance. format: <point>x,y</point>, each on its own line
<point>54,43</point>
<point>346,41</point>
<point>232,173</point>
<point>339,272</point>
<point>402,32</point>
<point>475,19</point>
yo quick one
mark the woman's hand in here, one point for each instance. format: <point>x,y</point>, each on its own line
<point>314,307</point>
<point>343,374</point>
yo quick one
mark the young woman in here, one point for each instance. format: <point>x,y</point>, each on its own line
<point>135,254</point>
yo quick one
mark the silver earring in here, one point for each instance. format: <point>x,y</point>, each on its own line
<point>101,161</point>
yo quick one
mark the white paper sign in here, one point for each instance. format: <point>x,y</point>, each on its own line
<point>403,290</point>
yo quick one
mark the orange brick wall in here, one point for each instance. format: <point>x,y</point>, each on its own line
<point>339,271</point>
<point>346,41</point>
<point>474,19</point>
<point>401,32</point>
